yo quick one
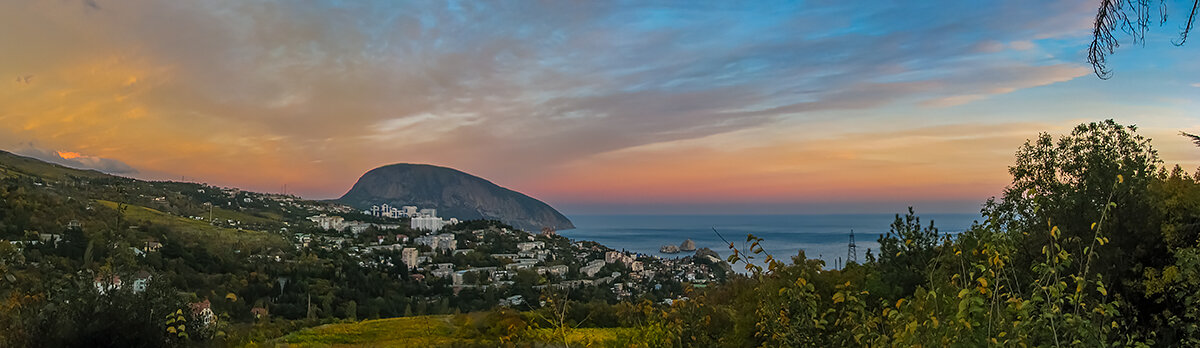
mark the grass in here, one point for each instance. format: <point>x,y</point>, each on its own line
<point>585,337</point>
<point>435,331</point>
<point>222,214</point>
<point>424,331</point>
<point>200,232</point>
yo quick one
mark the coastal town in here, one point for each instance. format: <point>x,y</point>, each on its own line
<point>490,255</point>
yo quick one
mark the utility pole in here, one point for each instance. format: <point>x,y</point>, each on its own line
<point>852,250</point>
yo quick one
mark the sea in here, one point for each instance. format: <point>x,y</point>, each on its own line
<point>825,237</point>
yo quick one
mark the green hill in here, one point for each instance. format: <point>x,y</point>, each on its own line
<point>12,164</point>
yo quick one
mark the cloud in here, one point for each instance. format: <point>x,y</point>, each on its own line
<point>980,83</point>
<point>326,90</point>
<point>1022,45</point>
<point>77,160</point>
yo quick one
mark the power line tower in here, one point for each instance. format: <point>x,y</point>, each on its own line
<point>852,250</point>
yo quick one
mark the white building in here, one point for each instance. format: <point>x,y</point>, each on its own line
<point>592,268</point>
<point>557,270</point>
<point>429,223</point>
<point>527,246</point>
<point>440,242</point>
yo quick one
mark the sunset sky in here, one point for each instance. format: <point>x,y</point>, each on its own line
<point>591,106</point>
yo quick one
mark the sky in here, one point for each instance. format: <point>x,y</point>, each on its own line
<point>595,107</point>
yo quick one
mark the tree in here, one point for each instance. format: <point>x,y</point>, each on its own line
<point>905,254</point>
<point>1133,18</point>
<point>1195,138</point>
<point>1097,178</point>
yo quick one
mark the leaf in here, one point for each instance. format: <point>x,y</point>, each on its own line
<point>839,298</point>
<point>1120,179</point>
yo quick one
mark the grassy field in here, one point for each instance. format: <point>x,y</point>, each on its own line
<point>436,331</point>
<point>200,232</point>
<point>585,337</point>
<point>425,331</point>
<point>222,214</point>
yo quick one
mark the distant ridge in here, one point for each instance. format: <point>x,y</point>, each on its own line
<point>454,194</point>
<point>14,163</point>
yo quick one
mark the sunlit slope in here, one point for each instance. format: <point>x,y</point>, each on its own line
<point>201,233</point>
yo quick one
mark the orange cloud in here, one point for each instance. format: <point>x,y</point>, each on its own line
<point>955,162</point>
<point>68,155</point>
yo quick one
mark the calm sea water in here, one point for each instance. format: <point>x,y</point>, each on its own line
<point>820,236</point>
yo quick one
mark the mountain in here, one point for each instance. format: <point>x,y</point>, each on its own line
<point>454,194</point>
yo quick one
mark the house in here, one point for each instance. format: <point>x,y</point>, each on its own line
<point>141,281</point>
<point>514,300</point>
<point>50,238</point>
<point>202,312</point>
<point>105,284</point>
<point>259,312</point>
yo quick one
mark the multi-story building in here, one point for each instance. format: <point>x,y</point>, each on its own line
<point>592,268</point>
<point>409,256</point>
<point>439,242</point>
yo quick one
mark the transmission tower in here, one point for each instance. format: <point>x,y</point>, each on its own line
<point>852,250</point>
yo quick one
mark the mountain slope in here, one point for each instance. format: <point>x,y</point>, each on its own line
<point>454,194</point>
<point>13,164</point>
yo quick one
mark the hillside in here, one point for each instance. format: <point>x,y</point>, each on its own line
<point>454,194</point>
<point>12,164</point>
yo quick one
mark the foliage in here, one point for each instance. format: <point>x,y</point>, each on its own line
<point>1093,243</point>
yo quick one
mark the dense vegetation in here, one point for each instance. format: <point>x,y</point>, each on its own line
<point>1094,243</point>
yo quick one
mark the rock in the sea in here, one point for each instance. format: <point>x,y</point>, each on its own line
<point>688,245</point>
